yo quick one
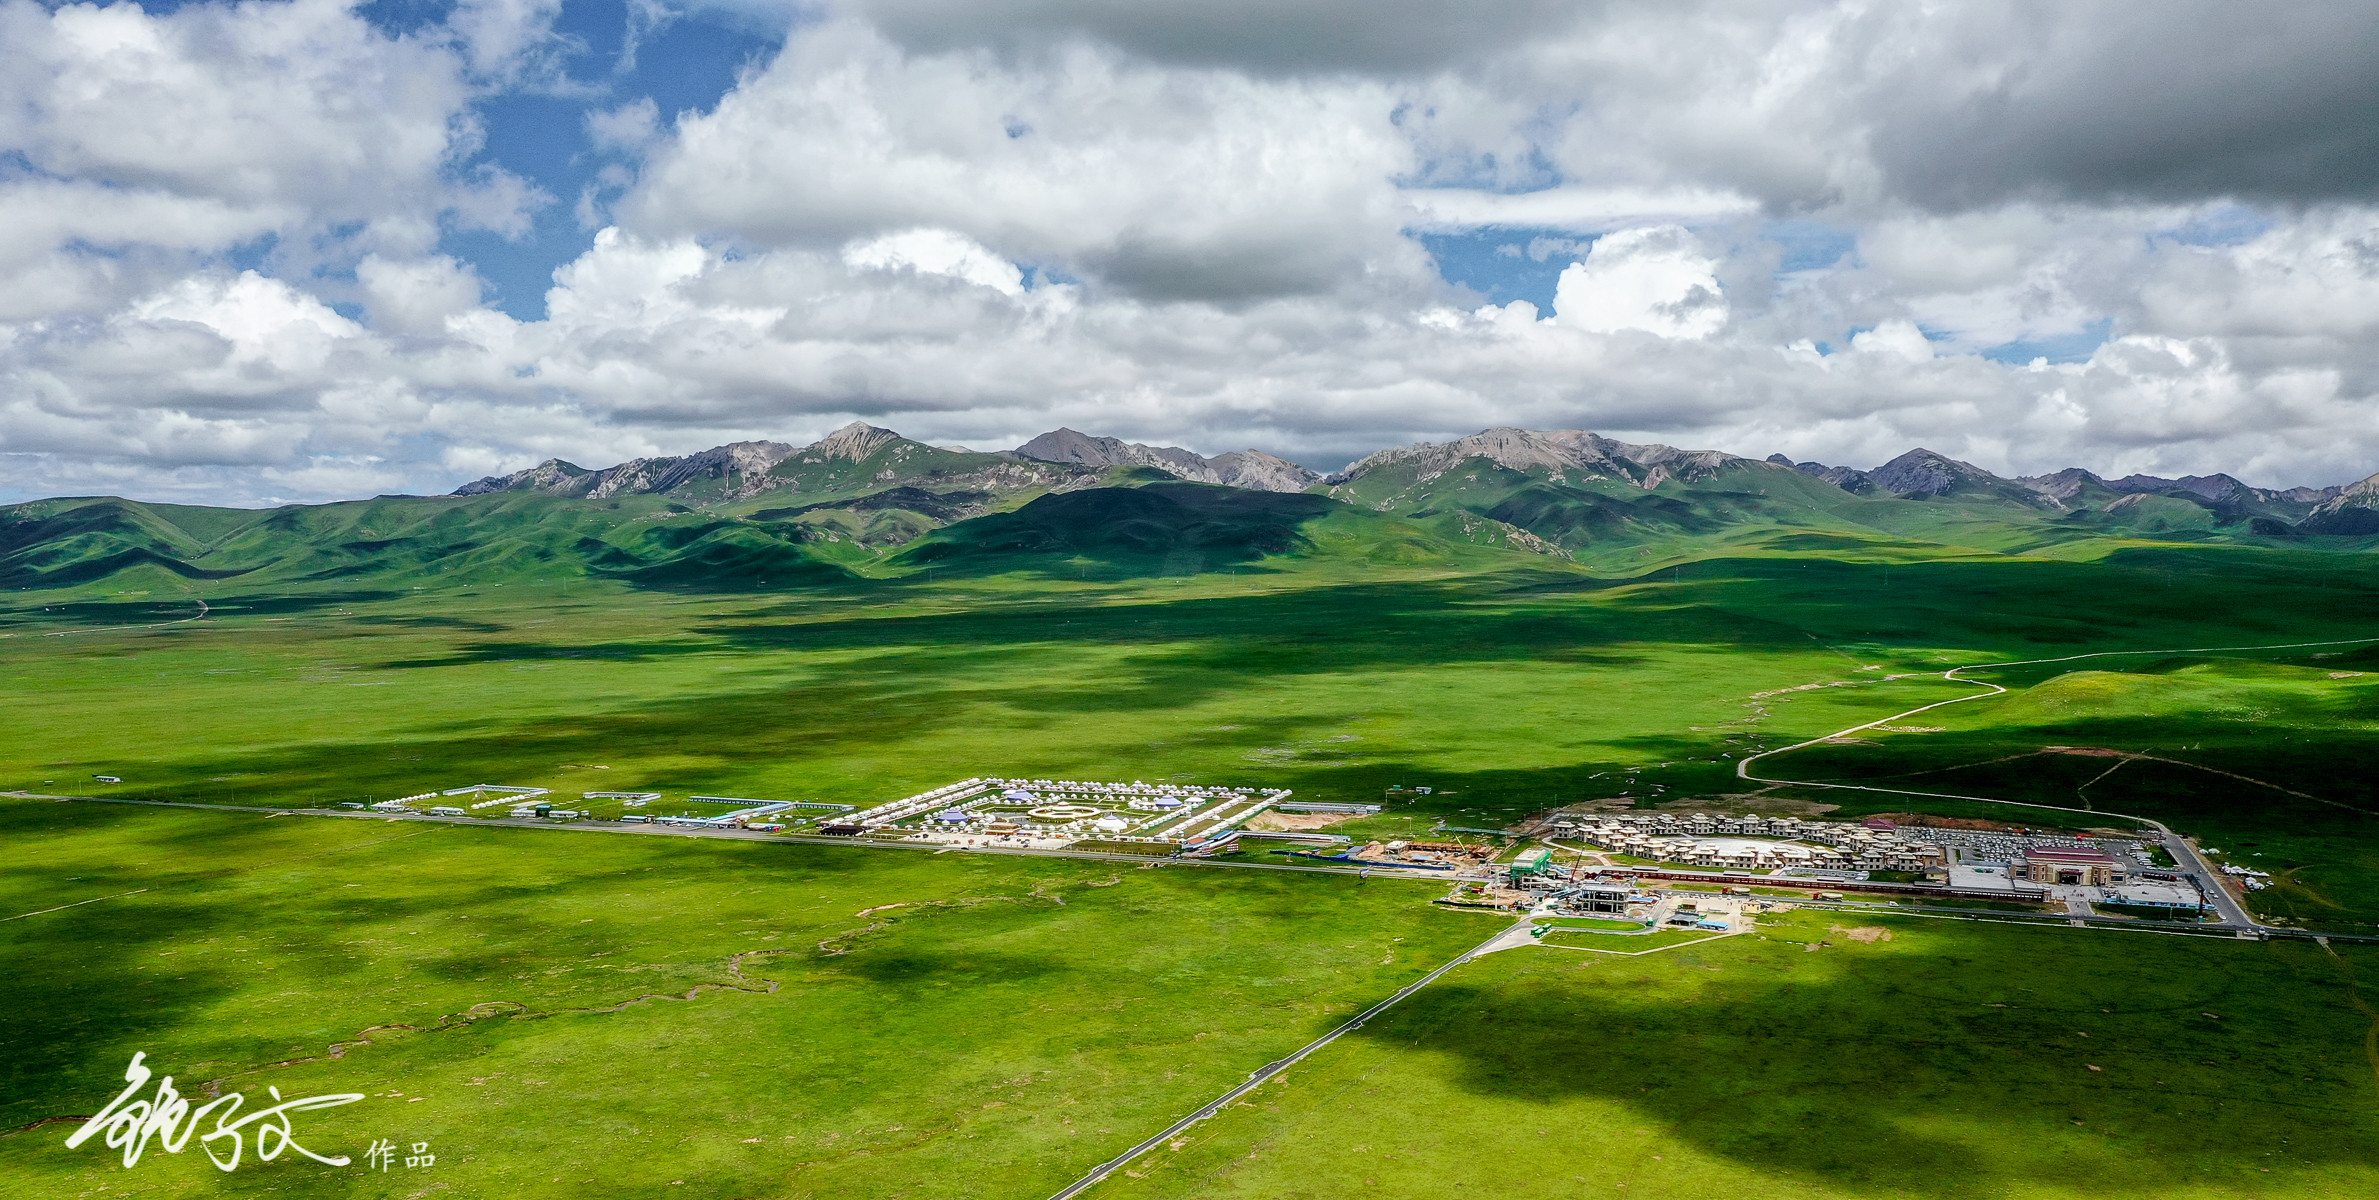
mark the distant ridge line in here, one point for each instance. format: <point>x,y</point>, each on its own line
<point>743,469</point>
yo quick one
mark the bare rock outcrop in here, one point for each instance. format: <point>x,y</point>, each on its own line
<point>1251,469</point>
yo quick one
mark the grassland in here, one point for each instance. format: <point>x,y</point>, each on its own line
<point>1622,943</point>
<point>1504,695</point>
<point>989,1041</point>
<point>1505,689</point>
<point>2251,754</point>
<point>1952,1060</point>
<point>593,1015</point>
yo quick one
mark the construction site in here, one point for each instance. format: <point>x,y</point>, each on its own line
<point>1153,819</point>
<point>513,802</point>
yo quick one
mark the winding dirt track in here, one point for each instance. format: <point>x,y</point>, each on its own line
<point>2233,913</point>
<point>200,615</point>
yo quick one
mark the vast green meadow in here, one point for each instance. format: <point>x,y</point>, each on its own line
<point>1510,688</point>
<point>1507,690</point>
<point>988,1040</point>
<point>1954,1059</point>
<point>2253,754</point>
<point>586,1014</point>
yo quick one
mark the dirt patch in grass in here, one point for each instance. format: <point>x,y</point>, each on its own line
<point>1280,822</point>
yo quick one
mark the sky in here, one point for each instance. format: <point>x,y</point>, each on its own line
<point>302,250</point>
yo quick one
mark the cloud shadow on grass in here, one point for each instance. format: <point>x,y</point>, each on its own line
<point>1953,1070</point>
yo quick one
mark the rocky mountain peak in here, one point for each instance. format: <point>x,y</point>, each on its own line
<point>1251,469</point>
<point>1922,472</point>
<point>2064,485</point>
<point>739,468</point>
<point>2212,487</point>
<point>1070,446</point>
<point>553,476</point>
<point>853,442</point>
<point>1647,466</point>
<point>2353,511</point>
<point>1258,471</point>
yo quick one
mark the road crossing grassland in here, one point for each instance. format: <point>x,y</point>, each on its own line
<point>2232,913</point>
<point>1273,1069</point>
<point>637,1011</point>
<point>2239,748</point>
<point>1954,1059</point>
<point>1506,691</point>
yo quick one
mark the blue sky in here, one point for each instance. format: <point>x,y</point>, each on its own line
<point>1503,264</point>
<point>685,64</point>
<point>684,61</point>
<point>1507,263</point>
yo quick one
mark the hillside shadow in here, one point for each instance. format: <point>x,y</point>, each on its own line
<point>1349,626</point>
<point>167,970</point>
<point>2031,607</point>
<point>957,966</point>
<point>483,653</point>
<point>1111,533</point>
<point>29,610</point>
<point>1951,1071</point>
<point>414,622</point>
<point>2277,802</point>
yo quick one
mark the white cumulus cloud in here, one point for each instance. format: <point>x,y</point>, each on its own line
<point>1657,280</point>
<point>1833,229</point>
<point>937,252</point>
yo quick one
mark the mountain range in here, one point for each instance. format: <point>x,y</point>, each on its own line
<point>865,502</point>
<point>741,470</point>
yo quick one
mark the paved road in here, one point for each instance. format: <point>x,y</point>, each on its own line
<point>1514,935</point>
<point>2185,853</point>
<point>1269,1070</point>
<point>2233,913</point>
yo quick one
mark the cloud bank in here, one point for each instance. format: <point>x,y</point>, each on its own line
<point>2026,236</point>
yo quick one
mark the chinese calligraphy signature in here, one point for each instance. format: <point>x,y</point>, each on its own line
<point>168,1119</point>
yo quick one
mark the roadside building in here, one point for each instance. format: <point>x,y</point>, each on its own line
<point>1532,861</point>
<point>1596,895</point>
<point>2072,865</point>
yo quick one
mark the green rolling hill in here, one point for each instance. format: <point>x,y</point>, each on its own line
<point>1174,528</point>
<point>868,504</point>
<point>387,543</point>
<point>1613,506</point>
